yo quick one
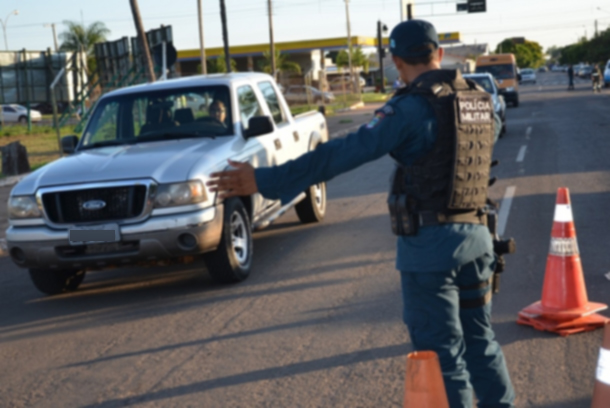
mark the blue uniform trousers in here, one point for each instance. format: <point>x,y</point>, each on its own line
<point>462,337</point>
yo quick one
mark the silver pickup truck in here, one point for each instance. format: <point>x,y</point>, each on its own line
<point>132,189</point>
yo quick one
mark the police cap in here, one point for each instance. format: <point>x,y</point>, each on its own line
<point>408,37</point>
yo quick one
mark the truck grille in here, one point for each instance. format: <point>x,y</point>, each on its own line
<point>120,203</point>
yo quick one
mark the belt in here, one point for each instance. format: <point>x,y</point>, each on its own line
<point>428,218</point>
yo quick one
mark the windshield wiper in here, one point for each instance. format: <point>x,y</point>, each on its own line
<point>106,144</point>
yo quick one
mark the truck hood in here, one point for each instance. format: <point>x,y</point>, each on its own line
<point>164,161</point>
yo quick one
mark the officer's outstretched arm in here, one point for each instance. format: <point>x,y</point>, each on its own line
<point>384,133</point>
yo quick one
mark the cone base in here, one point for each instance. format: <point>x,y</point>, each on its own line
<point>538,310</point>
<point>566,327</point>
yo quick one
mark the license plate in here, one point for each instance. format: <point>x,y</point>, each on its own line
<point>94,234</point>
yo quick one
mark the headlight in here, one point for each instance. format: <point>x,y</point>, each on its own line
<point>172,195</point>
<point>23,207</point>
<point>510,89</point>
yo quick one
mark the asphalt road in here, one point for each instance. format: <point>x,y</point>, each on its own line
<point>318,324</point>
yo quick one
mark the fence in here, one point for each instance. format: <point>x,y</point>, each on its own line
<point>25,76</point>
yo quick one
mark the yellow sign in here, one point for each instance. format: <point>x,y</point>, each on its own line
<point>447,38</point>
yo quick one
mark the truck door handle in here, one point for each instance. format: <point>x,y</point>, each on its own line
<point>278,144</point>
<point>295,134</point>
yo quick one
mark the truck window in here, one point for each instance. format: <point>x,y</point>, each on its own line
<point>502,71</point>
<point>104,125</point>
<point>273,102</point>
<point>248,104</point>
<point>161,115</point>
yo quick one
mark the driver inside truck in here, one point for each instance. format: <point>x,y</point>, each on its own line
<point>218,111</point>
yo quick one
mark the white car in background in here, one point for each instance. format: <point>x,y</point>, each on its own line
<point>607,75</point>
<point>528,75</point>
<point>489,84</point>
<point>19,114</point>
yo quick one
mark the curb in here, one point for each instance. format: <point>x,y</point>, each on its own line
<point>10,181</point>
<point>353,107</point>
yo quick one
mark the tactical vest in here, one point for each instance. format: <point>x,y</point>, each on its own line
<point>449,184</point>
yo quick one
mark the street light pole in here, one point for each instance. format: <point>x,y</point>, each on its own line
<point>204,68</point>
<point>4,23</point>
<point>54,36</point>
<point>349,45</point>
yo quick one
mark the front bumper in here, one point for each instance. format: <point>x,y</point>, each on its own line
<point>156,239</point>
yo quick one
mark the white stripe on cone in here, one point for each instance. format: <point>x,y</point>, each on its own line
<point>563,213</point>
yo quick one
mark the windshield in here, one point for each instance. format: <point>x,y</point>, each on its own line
<point>160,115</point>
<point>484,82</point>
<point>504,71</point>
<point>527,71</point>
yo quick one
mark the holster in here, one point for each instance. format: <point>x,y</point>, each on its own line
<point>402,219</point>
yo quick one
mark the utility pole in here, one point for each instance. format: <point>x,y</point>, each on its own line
<point>271,40</point>
<point>381,52</point>
<point>204,67</point>
<point>596,32</point>
<point>143,43</point>
<point>349,46</point>
<point>225,35</point>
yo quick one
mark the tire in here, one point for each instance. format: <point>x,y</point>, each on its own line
<point>313,207</point>
<point>23,120</point>
<point>516,103</point>
<point>231,263</point>
<point>503,131</point>
<point>56,281</point>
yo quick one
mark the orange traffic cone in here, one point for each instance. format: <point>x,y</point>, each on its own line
<point>424,384</point>
<point>601,391</point>
<point>564,308</point>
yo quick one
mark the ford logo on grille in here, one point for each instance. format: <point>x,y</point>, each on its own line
<point>94,205</point>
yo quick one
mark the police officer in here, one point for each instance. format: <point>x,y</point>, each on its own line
<point>440,131</point>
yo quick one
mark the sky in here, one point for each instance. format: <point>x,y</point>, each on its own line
<point>549,22</point>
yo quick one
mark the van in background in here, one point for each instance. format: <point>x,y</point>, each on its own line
<point>504,68</point>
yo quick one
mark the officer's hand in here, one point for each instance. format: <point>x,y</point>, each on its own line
<point>232,183</point>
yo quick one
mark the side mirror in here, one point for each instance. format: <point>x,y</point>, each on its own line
<point>258,126</point>
<point>68,144</point>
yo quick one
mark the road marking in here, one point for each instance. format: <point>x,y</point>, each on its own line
<point>507,201</point>
<point>521,155</point>
<point>528,132</point>
<point>540,88</point>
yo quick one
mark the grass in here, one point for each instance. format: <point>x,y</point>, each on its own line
<point>41,144</point>
<point>373,97</point>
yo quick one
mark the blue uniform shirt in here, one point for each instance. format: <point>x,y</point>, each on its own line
<point>406,127</point>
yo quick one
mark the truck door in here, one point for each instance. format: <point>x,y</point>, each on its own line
<point>288,143</point>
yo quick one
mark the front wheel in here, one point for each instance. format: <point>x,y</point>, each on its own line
<point>56,281</point>
<point>313,207</point>
<point>232,260</point>
<point>516,103</point>
<point>23,120</point>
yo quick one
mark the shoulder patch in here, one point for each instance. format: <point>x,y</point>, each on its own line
<point>379,115</point>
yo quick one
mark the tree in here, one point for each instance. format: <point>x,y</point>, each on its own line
<point>218,65</point>
<point>594,51</point>
<point>528,54</point>
<point>358,59</point>
<point>282,63</point>
<point>79,37</point>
